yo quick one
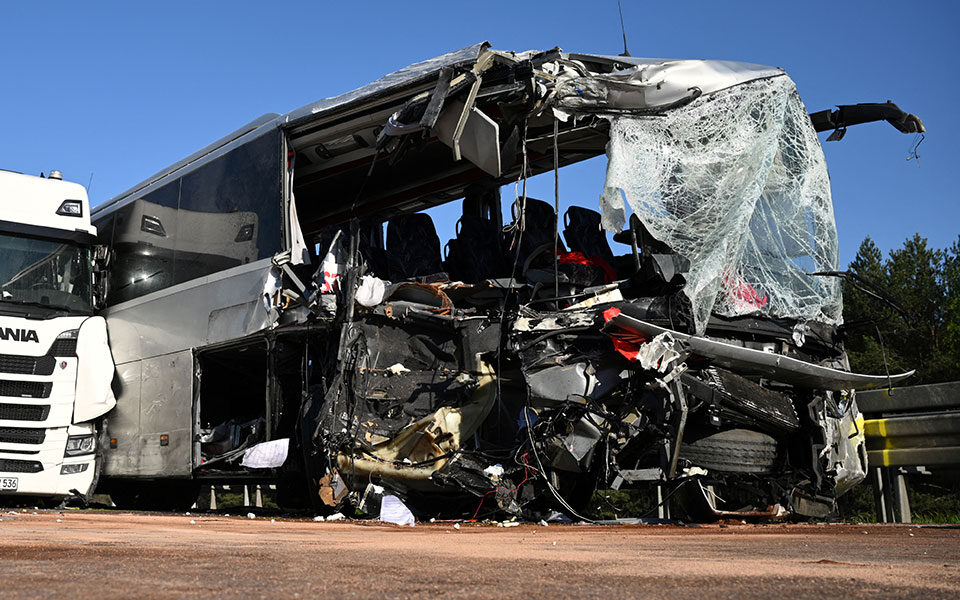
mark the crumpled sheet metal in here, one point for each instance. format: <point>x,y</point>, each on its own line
<point>736,183</point>
<point>849,458</point>
<point>424,447</point>
<point>647,85</point>
<point>405,77</point>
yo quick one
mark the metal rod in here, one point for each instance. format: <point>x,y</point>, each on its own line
<point>556,208</point>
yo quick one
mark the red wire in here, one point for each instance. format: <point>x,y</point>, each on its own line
<point>526,477</point>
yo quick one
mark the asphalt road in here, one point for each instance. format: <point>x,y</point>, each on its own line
<point>102,554</point>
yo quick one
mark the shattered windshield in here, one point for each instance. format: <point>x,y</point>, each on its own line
<point>736,183</point>
<point>45,273</point>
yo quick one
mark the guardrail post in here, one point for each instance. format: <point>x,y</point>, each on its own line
<point>213,497</point>
<point>901,502</point>
<point>880,495</point>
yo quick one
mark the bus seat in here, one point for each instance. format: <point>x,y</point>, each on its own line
<point>413,248</point>
<point>583,232</point>
<point>370,247</point>
<point>476,253</point>
<point>538,230</point>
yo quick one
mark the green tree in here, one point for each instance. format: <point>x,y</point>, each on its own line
<point>926,284</point>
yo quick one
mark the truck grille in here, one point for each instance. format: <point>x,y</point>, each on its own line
<point>22,435</point>
<point>24,412</point>
<point>38,365</point>
<point>9,465</point>
<point>63,348</point>
<point>26,389</point>
<point>28,365</point>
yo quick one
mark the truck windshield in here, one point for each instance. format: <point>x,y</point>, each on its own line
<point>45,272</point>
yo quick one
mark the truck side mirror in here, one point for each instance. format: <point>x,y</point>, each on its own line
<point>101,258</point>
<point>101,277</point>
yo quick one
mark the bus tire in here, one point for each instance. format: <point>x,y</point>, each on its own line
<point>733,451</point>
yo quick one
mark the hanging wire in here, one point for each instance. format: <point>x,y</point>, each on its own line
<point>556,208</point>
<point>520,226</point>
<point>883,352</point>
<point>914,155</point>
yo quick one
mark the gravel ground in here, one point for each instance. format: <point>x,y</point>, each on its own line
<point>110,554</point>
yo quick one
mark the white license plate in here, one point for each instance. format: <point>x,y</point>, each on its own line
<point>8,484</point>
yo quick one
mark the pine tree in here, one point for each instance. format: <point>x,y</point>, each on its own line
<point>926,284</point>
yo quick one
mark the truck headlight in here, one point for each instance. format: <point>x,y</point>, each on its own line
<point>71,334</point>
<point>73,469</point>
<point>78,445</point>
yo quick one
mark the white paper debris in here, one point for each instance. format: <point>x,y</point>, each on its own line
<point>267,455</point>
<point>336,517</point>
<point>318,519</point>
<point>494,472</point>
<point>659,353</point>
<point>251,516</point>
<point>392,510</point>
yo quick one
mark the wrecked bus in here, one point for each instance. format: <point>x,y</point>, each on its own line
<point>280,307</point>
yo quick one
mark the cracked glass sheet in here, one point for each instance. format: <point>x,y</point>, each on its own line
<point>736,182</point>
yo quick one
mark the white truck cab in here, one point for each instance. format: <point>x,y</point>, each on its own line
<point>55,364</point>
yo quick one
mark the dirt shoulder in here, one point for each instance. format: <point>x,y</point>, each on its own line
<point>122,555</point>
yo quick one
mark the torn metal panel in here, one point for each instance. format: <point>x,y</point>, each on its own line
<point>477,140</point>
<point>404,78</point>
<point>757,362</point>
<point>95,372</point>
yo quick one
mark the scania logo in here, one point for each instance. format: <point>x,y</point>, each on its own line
<point>18,335</point>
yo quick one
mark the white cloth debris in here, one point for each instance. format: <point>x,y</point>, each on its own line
<point>267,455</point>
<point>392,510</point>
<point>398,368</point>
<point>336,517</point>
<point>251,516</point>
<point>371,291</point>
<point>318,519</point>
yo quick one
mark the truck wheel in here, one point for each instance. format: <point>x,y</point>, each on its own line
<point>733,451</point>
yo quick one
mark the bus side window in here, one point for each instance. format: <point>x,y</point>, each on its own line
<point>230,210</point>
<point>144,238</point>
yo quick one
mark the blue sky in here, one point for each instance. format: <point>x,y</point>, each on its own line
<point>121,90</point>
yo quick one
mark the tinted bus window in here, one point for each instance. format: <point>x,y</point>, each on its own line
<point>144,239</point>
<point>230,210</point>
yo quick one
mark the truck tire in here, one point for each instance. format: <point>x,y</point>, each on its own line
<point>733,451</point>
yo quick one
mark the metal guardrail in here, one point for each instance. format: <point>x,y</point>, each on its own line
<point>913,426</point>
